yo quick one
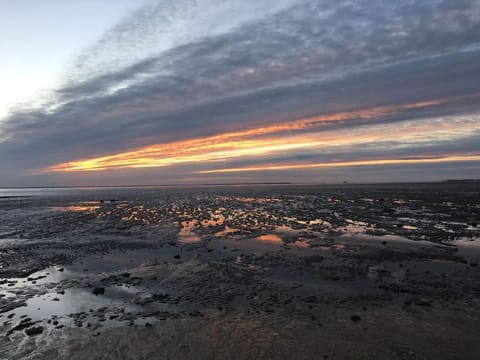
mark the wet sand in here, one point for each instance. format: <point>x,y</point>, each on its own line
<point>342,272</point>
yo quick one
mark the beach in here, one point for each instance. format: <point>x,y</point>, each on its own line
<point>379,271</point>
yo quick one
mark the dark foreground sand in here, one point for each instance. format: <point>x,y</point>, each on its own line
<point>351,272</point>
<point>384,333</point>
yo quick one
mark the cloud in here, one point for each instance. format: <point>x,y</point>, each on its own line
<point>179,70</point>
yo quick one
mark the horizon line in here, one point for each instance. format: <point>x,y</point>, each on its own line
<point>237,184</point>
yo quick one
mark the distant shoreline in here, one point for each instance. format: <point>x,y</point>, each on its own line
<point>345,183</point>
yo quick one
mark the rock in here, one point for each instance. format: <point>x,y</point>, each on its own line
<point>423,302</point>
<point>355,318</point>
<point>159,297</point>
<point>311,299</point>
<point>313,259</point>
<point>196,314</point>
<point>34,330</point>
<point>98,291</point>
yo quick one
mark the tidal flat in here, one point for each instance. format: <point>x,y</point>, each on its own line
<point>385,271</point>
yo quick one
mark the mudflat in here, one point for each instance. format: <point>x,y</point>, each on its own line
<point>384,271</point>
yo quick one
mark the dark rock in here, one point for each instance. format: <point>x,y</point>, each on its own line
<point>98,291</point>
<point>313,259</point>
<point>34,330</point>
<point>423,302</point>
<point>196,314</point>
<point>355,318</point>
<point>311,299</point>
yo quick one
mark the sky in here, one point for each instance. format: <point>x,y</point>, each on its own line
<point>222,91</point>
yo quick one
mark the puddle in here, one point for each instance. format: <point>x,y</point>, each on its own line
<point>301,243</point>
<point>75,300</point>
<point>226,231</point>
<point>186,234</point>
<point>391,240</point>
<point>88,206</point>
<point>270,238</point>
<point>468,248</point>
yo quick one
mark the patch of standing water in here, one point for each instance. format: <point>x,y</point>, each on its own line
<point>301,243</point>
<point>382,240</point>
<point>468,247</point>
<point>226,231</point>
<point>73,301</point>
<point>88,206</point>
<point>270,238</point>
<point>186,234</point>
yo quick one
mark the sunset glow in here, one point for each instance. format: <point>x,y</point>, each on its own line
<point>302,134</point>
<point>375,162</point>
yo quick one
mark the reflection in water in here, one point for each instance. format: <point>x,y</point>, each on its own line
<point>271,238</point>
<point>75,208</point>
<point>226,231</point>
<point>301,242</point>
<point>186,234</point>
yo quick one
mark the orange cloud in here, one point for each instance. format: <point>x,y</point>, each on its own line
<point>453,158</point>
<point>270,139</point>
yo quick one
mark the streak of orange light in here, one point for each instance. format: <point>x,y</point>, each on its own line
<point>375,162</point>
<point>247,142</point>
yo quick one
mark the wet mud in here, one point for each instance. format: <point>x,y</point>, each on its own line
<point>354,271</point>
